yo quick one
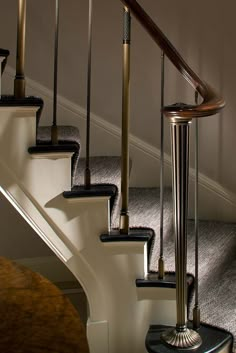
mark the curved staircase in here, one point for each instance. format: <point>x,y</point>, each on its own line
<point>118,270</point>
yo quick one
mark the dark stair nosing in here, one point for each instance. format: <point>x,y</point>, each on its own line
<point>53,148</point>
<point>135,235</point>
<point>95,190</point>
<point>169,281</point>
<point>29,101</point>
<point>4,53</point>
<point>213,339</point>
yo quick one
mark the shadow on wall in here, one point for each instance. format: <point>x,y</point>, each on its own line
<point>203,37</point>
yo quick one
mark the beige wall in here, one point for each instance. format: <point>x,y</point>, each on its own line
<point>203,32</point>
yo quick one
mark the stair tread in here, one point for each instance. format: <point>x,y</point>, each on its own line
<point>135,235</point>
<point>213,339</point>
<point>4,52</point>
<point>66,135</point>
<point>104,170</point>
<point>30,101</point>
<point>168,282</point>
<point>53,148</point>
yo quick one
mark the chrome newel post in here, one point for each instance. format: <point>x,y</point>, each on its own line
<point>181,336</point>
<point>124,213</point>
<point>161,265</point>
<point>19,83</point>
<point>87,172</point>
<point>54,130</point>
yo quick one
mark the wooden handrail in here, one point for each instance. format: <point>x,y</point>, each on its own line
<point>212,102</point>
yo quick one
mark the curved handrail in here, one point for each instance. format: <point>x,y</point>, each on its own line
<point>212,102</point>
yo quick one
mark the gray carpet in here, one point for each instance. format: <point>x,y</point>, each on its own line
<point>217,255</point>
<point>217,241</point>
<point>104,170</point>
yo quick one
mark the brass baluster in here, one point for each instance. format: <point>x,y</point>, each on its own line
<point>54,129</point>
<point>19,82</point>
<point>124,214</point>
<point>196,309</point>
<point>161,264</point>
<point>87,172</point>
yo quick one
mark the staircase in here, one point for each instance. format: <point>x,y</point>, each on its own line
<point>130,307</point>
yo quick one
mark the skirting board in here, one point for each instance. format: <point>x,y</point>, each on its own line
<point>215,202</point>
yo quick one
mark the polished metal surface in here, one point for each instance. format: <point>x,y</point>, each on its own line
<point>181,336</point>
<point>188,339</point>
<point>196,309</point>
<point>19,82</point>
<point>87,172</point>
<point>161,264</point>
<point>54,132</point>
<point>124,213</point>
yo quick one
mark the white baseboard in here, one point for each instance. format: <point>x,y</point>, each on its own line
<point>216,202</point>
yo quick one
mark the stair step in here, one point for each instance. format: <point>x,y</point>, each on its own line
<point>135,235</point>
<point>4,53</point>
<point>67,135</point>
<point>30,101</point>
<point>104,170</point>
<point>214,340</point>
<point>169,281</point>
<point>41,149</point>
<point>80,191</point>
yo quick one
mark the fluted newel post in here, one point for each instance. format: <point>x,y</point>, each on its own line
<point>181,336</point>
<point>124,214</point>
<point>19,83</point>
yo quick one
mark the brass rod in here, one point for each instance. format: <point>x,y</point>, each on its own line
<point>54,130</point>
<point>124,213</point>
<point>19,82</point>
<point>196,309</point>
<point>87,172</point>
<point>161,265</point>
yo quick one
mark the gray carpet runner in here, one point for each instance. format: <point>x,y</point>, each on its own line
<point>217,240</point>
<point>217,255</point>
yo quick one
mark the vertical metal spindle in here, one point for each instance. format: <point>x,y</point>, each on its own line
<point>181,336</point>
<point>196,309</point>
<point>124,213</point>
<point>19,82</point>
<point>87,173</point>
<point>54,130</point>
<point>161,265</point>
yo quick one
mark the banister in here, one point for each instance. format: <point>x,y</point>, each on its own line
<point>212,102</point>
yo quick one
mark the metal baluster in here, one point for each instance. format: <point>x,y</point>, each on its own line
<point>124,214</point>
<point>19,82</point>
<point>54,129</point>
<point>196,310</point>
<point>87,172</point>
<point>181,336</point>
<point>161,265</point>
